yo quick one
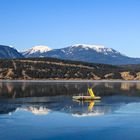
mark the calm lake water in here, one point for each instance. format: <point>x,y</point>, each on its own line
<point>46,111</point>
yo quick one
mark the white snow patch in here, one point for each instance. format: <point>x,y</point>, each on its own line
<point>38,49</point>
<point>98,48</point>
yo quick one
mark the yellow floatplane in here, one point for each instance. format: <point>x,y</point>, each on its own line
<point>91,97</point>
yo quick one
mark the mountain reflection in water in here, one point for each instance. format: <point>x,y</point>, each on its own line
<point>46,110</point>
<point>41,98</point>
<point>44,97</point>
<point>64,104</point>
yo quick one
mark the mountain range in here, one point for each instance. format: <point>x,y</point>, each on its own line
<point>83,52</point>
<point>78,52</point>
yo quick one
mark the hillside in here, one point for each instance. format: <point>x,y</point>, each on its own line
<point>9,52</point>
<point>51,68</point>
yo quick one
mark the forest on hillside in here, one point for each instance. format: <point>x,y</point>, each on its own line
<point>53,68</point>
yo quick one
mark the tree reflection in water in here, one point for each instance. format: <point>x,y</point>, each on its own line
<point>41,89</point>
<point>46,97</point>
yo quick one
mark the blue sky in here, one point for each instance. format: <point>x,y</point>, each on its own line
<point>60,23</point>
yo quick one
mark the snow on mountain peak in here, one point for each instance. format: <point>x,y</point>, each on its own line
<point>40,49</point>
<point>98,48</point>
<point>88,46</point>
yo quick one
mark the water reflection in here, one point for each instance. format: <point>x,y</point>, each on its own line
<point>64,104</point>
<point>91,109</point>
<point>91,105</point>
<point>41,89</point>
<point>40,110</point>
<point>45,98</point>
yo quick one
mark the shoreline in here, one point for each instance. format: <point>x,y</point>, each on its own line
<point>73,81</point>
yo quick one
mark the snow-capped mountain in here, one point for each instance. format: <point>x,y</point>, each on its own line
<point>36,51</point>
<point>97,48</point>
<point>93,54</point>
<point>87,53</point>
<point>9,52</point>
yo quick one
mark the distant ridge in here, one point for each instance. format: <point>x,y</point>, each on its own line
<point>9,52</point>
<point>86,53</point>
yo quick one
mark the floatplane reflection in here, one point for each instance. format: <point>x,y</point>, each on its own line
<point>91,103</point>
<point>91,100</point>
<point>92,108</point>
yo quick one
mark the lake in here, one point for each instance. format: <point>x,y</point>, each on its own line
<point>37,110</point>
